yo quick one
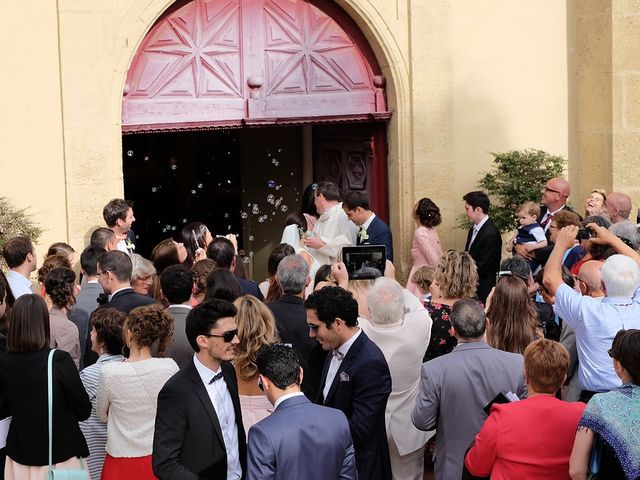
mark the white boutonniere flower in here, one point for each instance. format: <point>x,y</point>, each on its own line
<point>363,235</point>
<point>130,245</point>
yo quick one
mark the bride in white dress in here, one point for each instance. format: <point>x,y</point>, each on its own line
<point>295,230</point>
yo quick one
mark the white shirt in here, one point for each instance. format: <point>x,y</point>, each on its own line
<point>19,284</point>
<point>285,397</point>
<point>336,362</point>
<point>119,290</point>
<point>548,215</point>
<point>336,230</point>
<point>477,227</point>
<point>366,224</point>
<point>596,322</point>
<point>222,404</point>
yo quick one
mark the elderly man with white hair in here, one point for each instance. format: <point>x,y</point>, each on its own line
<point>403,338</point>
<point>596,321</point>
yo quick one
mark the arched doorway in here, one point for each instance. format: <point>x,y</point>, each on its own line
<point>232,106</point>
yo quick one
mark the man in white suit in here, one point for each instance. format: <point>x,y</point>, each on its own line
<point>403,339</point>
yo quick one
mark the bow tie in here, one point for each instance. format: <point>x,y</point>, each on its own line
<point>217,376</point>
<point>339,355</point>
<point>102,299</point>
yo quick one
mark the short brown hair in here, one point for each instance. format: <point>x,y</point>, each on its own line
<point>328,190</point>
<point>15,251</point>
<point>564,218</point>
<point>530,208</point>
<point>116,209</point>
<point>29,329</point>
<point>149,324</point>
<point>545,365</point>
<point>118,262</point>
<point>108,322</point>
<point>423,277</point>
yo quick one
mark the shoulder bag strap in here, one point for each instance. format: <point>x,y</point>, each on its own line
<point>50,401</point>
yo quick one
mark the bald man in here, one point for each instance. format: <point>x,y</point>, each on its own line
<point>618,207</point>
<point>590,280</point>
<point>554,198</point>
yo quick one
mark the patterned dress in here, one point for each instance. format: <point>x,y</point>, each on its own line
<point>442,340</point>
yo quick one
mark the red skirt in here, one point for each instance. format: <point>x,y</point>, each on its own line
<point>123,468</point>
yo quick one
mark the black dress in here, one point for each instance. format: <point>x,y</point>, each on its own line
<point>442,341</point>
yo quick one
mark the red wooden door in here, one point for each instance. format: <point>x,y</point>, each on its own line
<point>234,62</point>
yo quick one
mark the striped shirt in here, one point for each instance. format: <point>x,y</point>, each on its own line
<point>94,431</point>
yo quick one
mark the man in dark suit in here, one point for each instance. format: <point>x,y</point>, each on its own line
<point>280,446</point>
<point>114,274</point>
<point>87,302</point>
<point>118,215</point>
<point>454,388</point>
<point>222,251</point>
<point>355,378</point>
<point>176,284</point>
<point>199,432</point>
<point>554,199</point>
<point>373,231</point>
<point>484,242</point>
<point>291,320</point>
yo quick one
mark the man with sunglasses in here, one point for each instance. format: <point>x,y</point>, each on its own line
<point>280,446</point>
<point>199,432</point>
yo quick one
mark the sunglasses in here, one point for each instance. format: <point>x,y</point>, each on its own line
<point>227,337</point>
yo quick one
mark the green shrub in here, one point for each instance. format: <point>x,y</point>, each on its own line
<point>516,177</point>
<point>15,222</point>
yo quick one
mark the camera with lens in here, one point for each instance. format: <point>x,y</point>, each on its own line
<point>585,234</point>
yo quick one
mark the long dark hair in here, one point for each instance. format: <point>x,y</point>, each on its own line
<point>29,325</point>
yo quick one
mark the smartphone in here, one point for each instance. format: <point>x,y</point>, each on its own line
<point>365,262</point>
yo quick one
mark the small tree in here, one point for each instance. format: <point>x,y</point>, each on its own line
<point>15,222</point>
<point>516,177</point>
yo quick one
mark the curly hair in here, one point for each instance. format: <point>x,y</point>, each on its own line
<point>513,320</point>
<point>457,275</point>
<point>256,329</point>
<point>331,303</point>
<point>427,213</point>
<point>51,262</point>
<point>108,322</point>
<point>150,324</point>
<point>59,286</point>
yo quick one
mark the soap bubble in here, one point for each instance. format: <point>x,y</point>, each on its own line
<point>228,228</point>
<point>278,202</point>
<point>174,167</point>
<point>130,153</point>
<point>229,181</point>
<point>279,150</point>
<point>275,162</point>
<point>146,159</point>
<point>154,189</point>
<point>244,215</point>
<point>278,187</point>
<point>272,183</point>
<point>193,192</point>
<point>255,209</point>
<point>200,185</point>
<point>261,219</point>
<point>241,253</point>
<point>173,228</point>
<point>270,198</point>
<point>251,238</point>
<point>284,208</point>
<point>227,215</point>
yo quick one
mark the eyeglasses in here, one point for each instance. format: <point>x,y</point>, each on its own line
<point>105,271</point>
<point>227,336</point>
<point>147,279</point>
<point>547,189</point>
<point>314,328</point>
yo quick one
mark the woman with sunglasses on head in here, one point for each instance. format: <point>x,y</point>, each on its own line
<point>128,392</point>
<point>612,419</point>
<point>195,237</point>
<point>256,329</point>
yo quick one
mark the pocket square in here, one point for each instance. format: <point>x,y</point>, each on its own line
<point>344,377</point>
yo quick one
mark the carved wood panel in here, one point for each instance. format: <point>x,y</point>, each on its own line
<point>238,60</point>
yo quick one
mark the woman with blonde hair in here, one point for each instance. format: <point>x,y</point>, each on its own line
<point>256,328</point>
<point>456,277</point>
<point>128,393</point>
<point>513,319</point>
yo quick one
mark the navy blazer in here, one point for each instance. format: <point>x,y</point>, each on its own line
<point>486,250</point>
<point>301,440</point>
<point>379,234</point>
<point>126,300</point>
<point>360,389</point>
<point>250,288</point>
<point>187,440</point>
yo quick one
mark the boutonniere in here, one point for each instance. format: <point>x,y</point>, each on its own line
<point>130,245</point>
<point>363,235</point>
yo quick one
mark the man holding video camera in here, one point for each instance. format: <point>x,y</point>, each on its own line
<point>373,231</point>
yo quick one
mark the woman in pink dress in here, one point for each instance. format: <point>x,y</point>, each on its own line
<point>426,249</point>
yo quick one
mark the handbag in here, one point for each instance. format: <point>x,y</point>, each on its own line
<point>58,473</point>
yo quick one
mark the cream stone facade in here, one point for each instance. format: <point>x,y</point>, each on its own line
<point>464,78</point>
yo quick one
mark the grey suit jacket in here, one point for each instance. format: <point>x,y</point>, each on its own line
<point>454,388</point>
<point>86,303</point>
<point>180,349</point>
<point>301,440</point>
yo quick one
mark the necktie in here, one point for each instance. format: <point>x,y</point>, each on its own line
<point>545,220</point>
<point>217,376</point>
<point>339,355</point>
<point>473,235</point>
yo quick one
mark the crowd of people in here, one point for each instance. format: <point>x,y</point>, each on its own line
<point>489,362</point>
